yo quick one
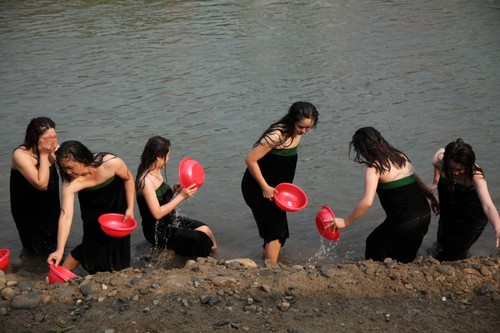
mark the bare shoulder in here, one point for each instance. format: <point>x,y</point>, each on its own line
<point>437,158</point>
<point>21,158</point>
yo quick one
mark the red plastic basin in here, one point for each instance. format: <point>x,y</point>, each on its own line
<point>4,258</point>
<point>191,172</point>
<point>113,225</point>
<point>59,274</point>
<point>324,215</point>
<point>290,197</point>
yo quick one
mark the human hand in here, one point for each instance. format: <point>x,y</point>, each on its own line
<point>177,188</point>
<point>337,223</point>
<point>432,187</point>
<point>47,144</point>
<point>54,258</point>
<point>268,192</point>
<point>188,192</point>
<point>129,214</point>
<point>435,206</point>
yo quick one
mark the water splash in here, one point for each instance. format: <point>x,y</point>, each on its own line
<point>325,253</point>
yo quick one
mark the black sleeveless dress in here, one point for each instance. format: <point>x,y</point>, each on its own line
<point>277,166</point>
<point>408,217</point>
<point>99,252</point>
<point>461,221</point>
<point>173,231</point>
<point>36,213</point>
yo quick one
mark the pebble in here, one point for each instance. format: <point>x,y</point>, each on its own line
<point>25,302</point>
<point>88,288</point>
<point>284,306</point>
<point>446,270</point>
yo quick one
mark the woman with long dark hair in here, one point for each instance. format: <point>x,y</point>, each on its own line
<point>401,192</point>
<point>273,160</point>
<point>104,184</point>
<point>34,187</point>
<point>162,226</point>
<point>466,205</point>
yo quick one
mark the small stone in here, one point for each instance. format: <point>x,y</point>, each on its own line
<point>284,306</point>
<point>8,293</point>
<point>25,302</point>
<point>446,270</point>
<point>265,288</point>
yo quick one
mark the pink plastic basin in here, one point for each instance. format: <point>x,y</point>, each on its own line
<point>191,172</point>
<point>323,218</point>
<point>113,225</point>
<point>290,197</point>
<point>59,274</point>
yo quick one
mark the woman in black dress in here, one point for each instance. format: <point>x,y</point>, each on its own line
<point>104,184</point>
<point>401,192</point>
<point>162,226</point>
<point>272,161</point>
<point>465,201</point>
<point>34,187</point>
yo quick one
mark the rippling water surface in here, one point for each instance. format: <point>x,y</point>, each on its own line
<point>212,75</point>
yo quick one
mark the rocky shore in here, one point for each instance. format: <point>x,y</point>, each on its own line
<point>238,295</point>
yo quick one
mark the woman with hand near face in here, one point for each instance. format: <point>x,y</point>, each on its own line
<point>34,187</point>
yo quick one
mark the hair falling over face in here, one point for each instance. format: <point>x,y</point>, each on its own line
<point>373,150</point>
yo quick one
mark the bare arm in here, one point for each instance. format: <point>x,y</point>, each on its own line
<point>24,163</point>
<point>122,171</point>
<point>158,211</point>
<point>489,208</point>
<point>65,221</point>
<point>371,182</point>
<point>252,163</point>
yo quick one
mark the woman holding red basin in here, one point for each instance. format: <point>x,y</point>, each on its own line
<point>402,194</point>
<point>104,184</point>
<point>271,161</point>
<point>162,226</point>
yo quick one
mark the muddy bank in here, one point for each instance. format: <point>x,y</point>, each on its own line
<point>238,295</point>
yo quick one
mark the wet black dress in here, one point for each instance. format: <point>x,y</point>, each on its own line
<point>277,166</point>
<point>99,252</point>
<point>461,221</point>
<point>36,213</point>
<point>408,217</point>
<point>173,231</point>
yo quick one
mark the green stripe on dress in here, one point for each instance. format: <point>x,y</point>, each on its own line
<point>397,183</point>
<point>101,185</point>
<point>285,152</point>
<point>161,189</point>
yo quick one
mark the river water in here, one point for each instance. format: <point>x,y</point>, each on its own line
<point>212,75</point>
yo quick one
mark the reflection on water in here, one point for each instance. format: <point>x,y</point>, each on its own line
<point>212,75</point>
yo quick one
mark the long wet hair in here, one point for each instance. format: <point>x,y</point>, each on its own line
<point>156,146</point>
<point>76,151</point>
<point>286,125</point>
<point>373,150</point>
<point>36,128</point>
<point>460,152</point>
